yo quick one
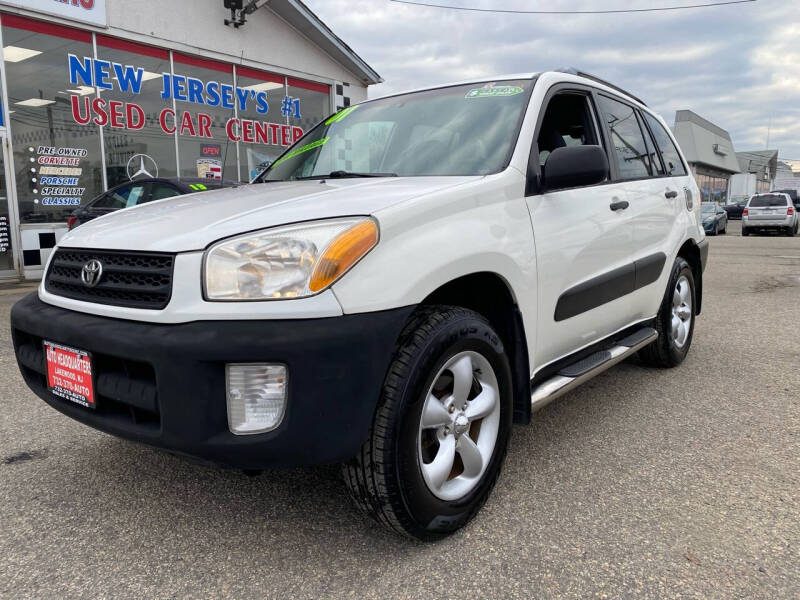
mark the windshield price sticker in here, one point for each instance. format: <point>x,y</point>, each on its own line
<point>494,91</point>
<point>69,374</point>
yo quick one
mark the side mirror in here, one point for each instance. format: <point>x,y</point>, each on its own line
<point>574,166</point>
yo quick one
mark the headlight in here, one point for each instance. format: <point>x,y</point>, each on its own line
<point>287,262</point>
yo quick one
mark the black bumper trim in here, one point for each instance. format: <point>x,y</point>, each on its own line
<point>336,371</point>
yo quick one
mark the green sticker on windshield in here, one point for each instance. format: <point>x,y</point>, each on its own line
<point>301,150</point>
<point>341,115</point>
<point>494,91</point>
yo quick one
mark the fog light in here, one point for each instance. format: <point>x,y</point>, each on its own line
<point>256,396</point>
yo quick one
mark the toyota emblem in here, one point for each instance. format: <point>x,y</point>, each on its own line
<point>91,273</point>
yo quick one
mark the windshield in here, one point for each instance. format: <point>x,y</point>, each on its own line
<point>461,130</point>
<point>709,208</point>
<point>768,200</point>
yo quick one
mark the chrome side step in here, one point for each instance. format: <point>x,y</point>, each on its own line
<point>583,370</point>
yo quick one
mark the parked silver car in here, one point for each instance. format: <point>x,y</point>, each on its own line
<point>772,211</point>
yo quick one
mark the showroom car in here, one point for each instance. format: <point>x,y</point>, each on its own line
<point>141,191</point>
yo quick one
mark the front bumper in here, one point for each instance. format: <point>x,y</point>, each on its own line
<point>164,385</point>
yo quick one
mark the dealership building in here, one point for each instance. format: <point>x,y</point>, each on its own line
<point>97,92</point>
<point>710,153</point>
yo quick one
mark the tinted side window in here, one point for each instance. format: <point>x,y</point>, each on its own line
<point>567,122</point>
<point>159,191</point>
<point>672,160</point>
<point>626,138</point>
<point>655,162</point>
<point>109,201</point>
<point>124,197</point>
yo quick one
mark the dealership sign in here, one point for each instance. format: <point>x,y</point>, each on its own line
<point>193,122</point>
<point>87,11</point>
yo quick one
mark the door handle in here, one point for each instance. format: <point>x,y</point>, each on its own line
<point>621,205</point>
<point>671,194</point>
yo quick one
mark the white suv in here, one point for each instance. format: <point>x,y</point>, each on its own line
<point>412,277</point>
<point>773,211</point>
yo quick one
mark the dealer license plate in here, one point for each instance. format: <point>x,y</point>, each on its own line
<point>69,374</point>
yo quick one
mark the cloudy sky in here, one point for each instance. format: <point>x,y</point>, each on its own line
<point>738,65</point>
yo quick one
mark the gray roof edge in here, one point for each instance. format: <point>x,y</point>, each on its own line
<point>693,117</point>
<point>326,38</point>
<point>716,167</point>
<point>768,154</point>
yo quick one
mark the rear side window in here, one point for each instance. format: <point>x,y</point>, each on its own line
<point>672,160</point>
<point>626,139</point>
<point>124,197</point>
<point>159,191</point>
<point>768,200</point>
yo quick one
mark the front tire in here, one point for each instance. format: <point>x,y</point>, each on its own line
<point>675,320</point>
<point>440,433</point>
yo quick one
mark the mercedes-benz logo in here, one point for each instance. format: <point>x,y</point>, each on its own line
<point>92,272</point>
<point>141,165</point>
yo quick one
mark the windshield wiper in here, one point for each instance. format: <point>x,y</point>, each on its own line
<point>346,175</point>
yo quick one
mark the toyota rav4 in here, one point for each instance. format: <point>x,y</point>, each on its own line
<point>413,276</point>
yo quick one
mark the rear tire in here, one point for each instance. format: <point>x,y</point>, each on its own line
<point>426,469</point>
<point>675,320</point>
<point>744,231</point>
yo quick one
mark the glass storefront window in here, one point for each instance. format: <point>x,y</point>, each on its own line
<point>712,189</point>
<point>254,130</point>
<point>141,109</point>
<point>57,161</point>
<point>315,102</point>
<point>205,98</point>
<point>66,97</point>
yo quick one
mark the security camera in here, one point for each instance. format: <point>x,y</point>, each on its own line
<point>238,16</point>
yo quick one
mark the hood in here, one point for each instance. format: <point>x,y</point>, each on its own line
<point>192,222</point>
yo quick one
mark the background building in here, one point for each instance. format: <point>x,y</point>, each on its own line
<point>709,151</point>
<point>91,87</point>
<point>786,178</point>
<point>758,168</point>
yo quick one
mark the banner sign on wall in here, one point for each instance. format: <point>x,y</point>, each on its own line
<point>87,11</point>
<point>195,93</point>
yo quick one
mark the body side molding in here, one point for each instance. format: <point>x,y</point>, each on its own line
<point>609,286</point>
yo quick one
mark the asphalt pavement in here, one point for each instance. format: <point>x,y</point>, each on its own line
<point>642,484</point>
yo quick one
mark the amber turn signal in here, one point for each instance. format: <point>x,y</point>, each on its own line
<point>343,252</point>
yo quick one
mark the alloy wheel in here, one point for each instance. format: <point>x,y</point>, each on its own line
<point>682,314</point>
<point>459,426</point>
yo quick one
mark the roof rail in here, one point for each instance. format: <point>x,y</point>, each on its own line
<point>574,71</point>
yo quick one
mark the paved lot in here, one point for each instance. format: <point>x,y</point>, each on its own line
<point>641,484</point>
